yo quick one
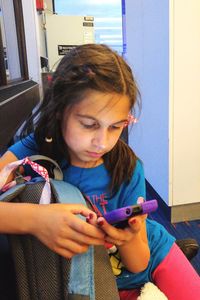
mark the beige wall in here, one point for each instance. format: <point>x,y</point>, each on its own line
<point>184,101</point>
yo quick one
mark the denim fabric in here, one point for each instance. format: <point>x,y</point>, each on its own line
<point>81,280</point>
<point>82,266</point>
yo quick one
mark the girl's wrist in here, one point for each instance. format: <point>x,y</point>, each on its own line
<point>28,213</point>
<point>135,240</point>
<point>32,219</point>
<point>35,217</point>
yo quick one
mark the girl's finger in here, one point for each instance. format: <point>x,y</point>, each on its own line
<point>110,230</point>
<point>80,209</point>
<point>92,219</point>
<point>113,241</point>
<point>135,224</point>
<point>72,246</point>
<point>65,253</point>
<point>84,228</point>
<point>113,233</point>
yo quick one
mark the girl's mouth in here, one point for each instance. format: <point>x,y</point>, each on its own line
<point>94,154</point>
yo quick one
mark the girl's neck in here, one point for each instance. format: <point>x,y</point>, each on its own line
<point>88,165</point>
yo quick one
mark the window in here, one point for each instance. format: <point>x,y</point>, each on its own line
<point>107,18</point>
<point>13,62</point>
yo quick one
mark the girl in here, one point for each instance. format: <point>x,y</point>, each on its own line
<point>79,124</point>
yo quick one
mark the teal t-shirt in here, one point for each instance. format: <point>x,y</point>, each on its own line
<point>94,183</point>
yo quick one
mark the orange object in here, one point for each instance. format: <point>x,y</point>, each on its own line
<point>40,5</point>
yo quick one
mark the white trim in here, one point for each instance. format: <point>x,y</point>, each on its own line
<point>32,40</point>
<point>171,99</point>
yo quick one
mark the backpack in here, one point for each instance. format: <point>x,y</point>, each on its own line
<point>42,274</point>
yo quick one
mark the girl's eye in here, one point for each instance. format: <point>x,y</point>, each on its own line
<point>89,126</point>
<point>115,127</point>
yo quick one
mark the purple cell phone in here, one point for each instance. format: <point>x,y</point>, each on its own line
<point>119,217</point>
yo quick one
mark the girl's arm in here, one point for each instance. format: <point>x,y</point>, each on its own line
<point>131,242</point>
<point>135,254</point>
<point>55,225</point>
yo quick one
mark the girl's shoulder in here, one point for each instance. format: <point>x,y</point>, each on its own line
<point>24,147</point>
<point>139,166</point>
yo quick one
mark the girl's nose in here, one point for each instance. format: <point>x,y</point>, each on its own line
<point>100,139</point>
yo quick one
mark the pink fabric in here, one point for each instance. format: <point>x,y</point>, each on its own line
<point>8,169</point>
<point>176,277</point>
<point>129,294</point>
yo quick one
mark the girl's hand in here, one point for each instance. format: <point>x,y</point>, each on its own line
<point>118,236</point>
<point>61,230</point>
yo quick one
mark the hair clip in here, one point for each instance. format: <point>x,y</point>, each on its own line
<point>130,119</point>
<point>88,71</point>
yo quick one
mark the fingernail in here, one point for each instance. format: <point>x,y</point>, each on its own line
<point>133,221</point>
<point>100,223</point>
<point>90,216</point>
<point>87,219</point>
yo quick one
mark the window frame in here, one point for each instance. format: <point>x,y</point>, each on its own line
<point>20,32</point>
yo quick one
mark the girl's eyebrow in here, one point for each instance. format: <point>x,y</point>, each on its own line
<point>94,119</point>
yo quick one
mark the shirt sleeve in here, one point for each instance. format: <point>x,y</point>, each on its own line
<point>24,147</point>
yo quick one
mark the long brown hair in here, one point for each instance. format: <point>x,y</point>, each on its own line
<point>86,67</point>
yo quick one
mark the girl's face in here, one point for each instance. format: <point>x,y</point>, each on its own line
<point>93,126</point>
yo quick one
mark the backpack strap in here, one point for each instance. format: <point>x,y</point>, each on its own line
<point>91,275</point>
<point>57,172</point>
<point>104,279</point>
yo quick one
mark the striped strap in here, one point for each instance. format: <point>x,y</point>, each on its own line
<point>8,169</point>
